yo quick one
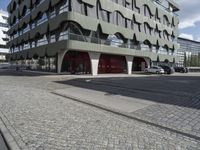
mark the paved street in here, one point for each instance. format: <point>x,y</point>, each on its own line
<point>39,119</point>
<point>176,98</point>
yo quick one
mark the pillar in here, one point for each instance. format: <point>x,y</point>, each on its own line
<point>60,57</point>
<point>129,61</point>
<point>94,59</point>
<point>148,61</point>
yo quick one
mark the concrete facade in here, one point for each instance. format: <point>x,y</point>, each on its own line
<point>131,28</point>
<point>3,35</point>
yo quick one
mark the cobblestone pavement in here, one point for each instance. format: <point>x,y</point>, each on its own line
<point>40,120</point>
<point>177,98</point>
<point>183,119</point>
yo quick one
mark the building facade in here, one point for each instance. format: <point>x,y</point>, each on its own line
<point>188,53</point>
<point>3,35</point>
<point>93,36</point>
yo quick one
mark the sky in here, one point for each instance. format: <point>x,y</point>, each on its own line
<point>189,18</point>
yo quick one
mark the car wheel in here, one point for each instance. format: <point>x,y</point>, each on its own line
<point>157,72</point>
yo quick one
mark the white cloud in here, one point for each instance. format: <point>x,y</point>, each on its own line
<point>187,36</point>
<point>189,14</point>
<point>198,39</point>
<point>189,22</point>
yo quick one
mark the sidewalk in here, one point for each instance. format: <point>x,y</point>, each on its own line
<point>131,107</point>
<point>2,144</point>
<point>110,100</point>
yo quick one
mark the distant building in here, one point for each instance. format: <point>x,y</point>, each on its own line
<point>3,35</point>
<point>188,53</point>
<point>90,36</point>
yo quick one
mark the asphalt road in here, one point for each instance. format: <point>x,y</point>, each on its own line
<point>175,90</point>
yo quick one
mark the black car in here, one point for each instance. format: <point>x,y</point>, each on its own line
<point>167,69</point>
<point>181,69</point>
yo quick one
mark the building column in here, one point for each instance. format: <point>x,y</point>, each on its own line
<point>148,61</point>
<point>94,59</point>
<point>129,61</point>
<point>60,57</point>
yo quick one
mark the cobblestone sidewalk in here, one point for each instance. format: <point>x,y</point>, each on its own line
<point>40,120</point>
<point>179,118</point>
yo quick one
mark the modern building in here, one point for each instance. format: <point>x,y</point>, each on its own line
<point>188,53</point>
<point>93,36</point>
<point>3,35</point>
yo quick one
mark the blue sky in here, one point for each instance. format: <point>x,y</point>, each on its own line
<point>3,4</point>
<point>189,17</point>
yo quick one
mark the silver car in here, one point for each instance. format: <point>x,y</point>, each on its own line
<point>155,69</point>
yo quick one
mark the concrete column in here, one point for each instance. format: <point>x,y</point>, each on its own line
<point>148,61</point>
<point>94,59</point>
<point>60,57</point>
<point>129,61</point>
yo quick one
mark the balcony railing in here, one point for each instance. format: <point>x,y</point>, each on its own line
<point>82,38</point>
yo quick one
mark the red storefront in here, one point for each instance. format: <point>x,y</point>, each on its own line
<point>139,64</point>
<point>76,62</point>
<point>112,64</point>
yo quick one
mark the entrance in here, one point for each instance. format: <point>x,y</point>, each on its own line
<point>139,64</point>
<point>112,64</point>
<point>76,62</point>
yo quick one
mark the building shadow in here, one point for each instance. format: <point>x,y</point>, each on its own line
<point>173,90</point>
<point>12,72</point>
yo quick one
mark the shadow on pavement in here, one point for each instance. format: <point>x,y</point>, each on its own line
<point>4,72</point>
<point>174,90</point>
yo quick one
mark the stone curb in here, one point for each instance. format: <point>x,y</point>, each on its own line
<point>127,115</point>
<point>10,141</point>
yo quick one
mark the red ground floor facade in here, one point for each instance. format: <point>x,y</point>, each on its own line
<point>80,62</point>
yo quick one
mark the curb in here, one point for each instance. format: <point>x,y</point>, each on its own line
<point>9,140</point>
<point>118,112</point>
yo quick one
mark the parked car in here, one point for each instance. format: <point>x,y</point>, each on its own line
<point>4,66</point>
<point>181,69</point>
<point>155,69</point>
<point>168,70</point>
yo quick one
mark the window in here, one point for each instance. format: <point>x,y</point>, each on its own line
<point>64,8</point>
<point>147,28</point>
<point>26,46</point>
<point>42,19</point>
<point>2,46</point>
<point>5,18</point>
<point>4,32</point>
<point>147,11</point>
<point>26,29</point>
<point>4,25</point>
<point>52,13</point>
<point>42,41</point>
<point>115,41</point>
<point>5,39</point>
<point>52,38</point>
<point>64,35</point>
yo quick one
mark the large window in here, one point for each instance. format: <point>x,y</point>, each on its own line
<point>4,25</point>
<point>64,7</point>
<point>42,19</point>
<point>115,41</point>
<point>42,41</point>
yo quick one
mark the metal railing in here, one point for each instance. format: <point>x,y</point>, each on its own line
<point>113,43</point>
